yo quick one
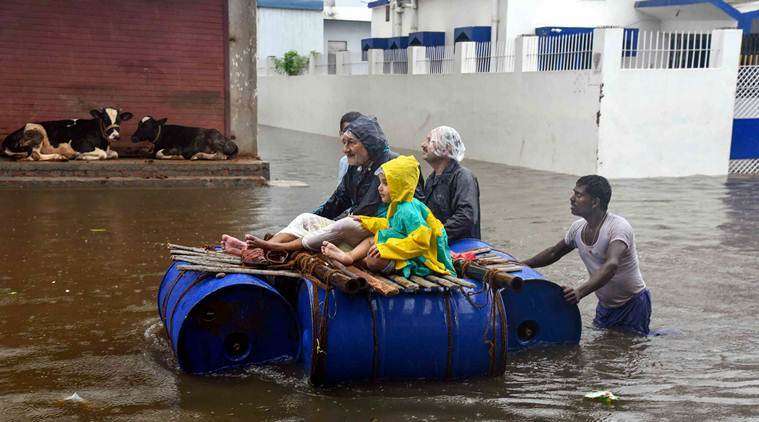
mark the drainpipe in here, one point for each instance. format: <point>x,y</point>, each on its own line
<point>494,23</point>
<point>397,8</point>
<point>414,18</point>
<point>329,8</point>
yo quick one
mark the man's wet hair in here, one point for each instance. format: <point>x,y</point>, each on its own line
<point>347,118</point>
<point>597,187</point>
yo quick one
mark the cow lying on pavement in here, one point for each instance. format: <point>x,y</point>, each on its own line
<point>90,139</point>
<point>35,137</point>
<point>175,142</point>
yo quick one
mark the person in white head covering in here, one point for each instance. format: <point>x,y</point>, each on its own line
<point>452,191</point>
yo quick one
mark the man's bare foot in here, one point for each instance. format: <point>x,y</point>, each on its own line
<point>232,245</point>
<point>336,253</point>
<point>257,242</point>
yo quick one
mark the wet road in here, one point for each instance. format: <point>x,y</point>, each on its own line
<point>80,272</point>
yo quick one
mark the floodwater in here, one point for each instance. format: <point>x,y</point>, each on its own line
<point>81,268</point>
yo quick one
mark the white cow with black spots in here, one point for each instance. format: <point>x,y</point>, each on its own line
<point>89,139</point>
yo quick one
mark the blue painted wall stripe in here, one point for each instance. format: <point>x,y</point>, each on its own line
<point>377,3</point>
<point>745,139</point>
<point>292,4</point>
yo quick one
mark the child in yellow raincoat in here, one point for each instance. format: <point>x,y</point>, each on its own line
<point>409,240</point>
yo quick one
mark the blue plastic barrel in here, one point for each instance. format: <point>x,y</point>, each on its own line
<point>220,323</point>
<point>432,336</point>
<point>537,314</point>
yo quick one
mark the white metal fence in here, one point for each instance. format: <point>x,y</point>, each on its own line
<point>750,166</point>
<point>747,93</point>
<point>438,60</point>
<point>667,50</point>
<point>395,62</point>
<point>486,57</point>
<point>641,50</point>
<point>558,52</point>
<point>746,107</point>
<point>355,63</point>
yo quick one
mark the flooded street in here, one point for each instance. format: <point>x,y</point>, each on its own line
<point>81,269</point>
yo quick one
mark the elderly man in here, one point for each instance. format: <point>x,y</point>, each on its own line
<point>366,147</point>
<point>451,191</point>
<point>606,244</point>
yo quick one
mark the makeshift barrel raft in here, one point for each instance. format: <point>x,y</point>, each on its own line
<point>439,330</point>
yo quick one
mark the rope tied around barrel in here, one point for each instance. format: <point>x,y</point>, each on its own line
<point>489,277</point>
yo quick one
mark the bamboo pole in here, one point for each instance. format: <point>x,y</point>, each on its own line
<point>236,270</point>
<point>460,282</point>
<point>424,283</point>
<point>443,282</point>
<point>497,278</point>
<point>403,281</point>
<point>347,283</point>
<point>494,261</point>
<point>481,251</point>
<point>197,259</point>
<point>506,268</point>
<point>187,248</point>
<point>209,253</point>
<point>389,282</point>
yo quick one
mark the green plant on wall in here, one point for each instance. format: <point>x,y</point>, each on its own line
<point>291,63</point>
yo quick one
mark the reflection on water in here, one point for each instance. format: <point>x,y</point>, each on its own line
<point>81,270</point>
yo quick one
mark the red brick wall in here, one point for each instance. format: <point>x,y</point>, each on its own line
<point>61,58</point>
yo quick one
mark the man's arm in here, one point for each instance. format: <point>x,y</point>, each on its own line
<point>599,278</point>
<point>549,256</point>
<point>370,202</point>
<point>337,203</point>
<point>466,205</point>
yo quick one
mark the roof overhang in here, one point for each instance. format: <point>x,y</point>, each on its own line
<point>426,39</point>
<point>695,10</point>
<point>316,5</point>
<point>396,43</point>
<point>373,44</point>
<point>471,33</point>
<point>378,3</point>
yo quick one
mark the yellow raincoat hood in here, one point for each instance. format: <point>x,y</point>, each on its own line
<point>402,174</point>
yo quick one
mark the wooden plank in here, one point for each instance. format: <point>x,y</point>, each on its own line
<point>198,259</point>
<point>407,284</point>
<point>506,268</point>
<point>443,282</point>
<point>481,251</point>
<point>378,285</point>
<point>460,282</point>
<point>424,283</point>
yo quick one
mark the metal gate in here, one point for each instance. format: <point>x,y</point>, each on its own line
<point>744,151</point>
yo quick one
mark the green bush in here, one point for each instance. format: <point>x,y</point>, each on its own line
<point>291,63</point>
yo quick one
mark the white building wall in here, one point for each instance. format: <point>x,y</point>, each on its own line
<point>668,122</point>
<point>380,28</point>
<point>544,121</point>
<point>523,16</point>
<point>351,31</point>
<point>446,15</point>
<point>281,30</point>
<point>517,17</point>
<point>620,123</point>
